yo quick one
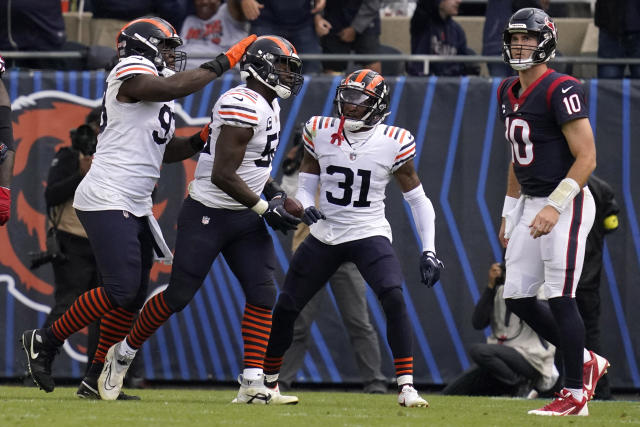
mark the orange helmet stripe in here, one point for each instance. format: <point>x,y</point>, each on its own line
<point>362,75</point>
<point>280,44</point>
<point>168,31</point>
<point>375,82</point>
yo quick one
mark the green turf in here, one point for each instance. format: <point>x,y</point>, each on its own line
<point>29,406</point>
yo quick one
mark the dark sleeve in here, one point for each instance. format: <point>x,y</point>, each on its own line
<point>64,177</point>
<point>568,101</point>
<point>482,312</point>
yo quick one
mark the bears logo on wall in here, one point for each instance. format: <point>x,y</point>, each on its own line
<point>41,125</point>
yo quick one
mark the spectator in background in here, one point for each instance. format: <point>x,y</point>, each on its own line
<point>434,32</point>
<point>619,36</point>
<point>173,11</point>
<point>37,25</point>
<point>291,19</point>
<point>7,152</point>
<point>350,26</point>
<point>349,290</point>
<point>212,30</point>
<point>588,293</point>
<point>514,359</point>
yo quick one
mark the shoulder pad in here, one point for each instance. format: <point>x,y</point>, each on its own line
<point>131,66</point>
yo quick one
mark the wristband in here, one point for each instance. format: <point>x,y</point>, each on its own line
<point>218,65</point>
<point>509,204</point>
<point>260,207</point>
<point>564,193</point>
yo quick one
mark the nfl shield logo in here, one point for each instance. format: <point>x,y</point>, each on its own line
<point>352,157</point>
<point>205,220</point>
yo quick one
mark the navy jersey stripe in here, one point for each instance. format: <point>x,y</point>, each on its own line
<point>572,247</point>
<point>238,108</point>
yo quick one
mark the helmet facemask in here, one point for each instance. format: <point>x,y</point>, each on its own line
<point>537,54</point>
<point>282,74</point>
<point>370,107</point>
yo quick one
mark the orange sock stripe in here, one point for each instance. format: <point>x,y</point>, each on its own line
<point>258,320</point>
<point>403,359</point>
<point>256,333</point>
<point>407,372</point>
<point>84,314</point>
<point>257,310</point>
<point>109,335</point>
<point>249,338</point>
<point>101,299</point>
<point>256,328</point>
<point>93,309</point>
<point>154,314</point>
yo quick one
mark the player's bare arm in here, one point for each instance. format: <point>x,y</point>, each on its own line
<point>582,145</point>
<point>181,148</point>
<point>230,150</point>
<point>146,87</point>
<point>407,177</point>
<point>511,198</point>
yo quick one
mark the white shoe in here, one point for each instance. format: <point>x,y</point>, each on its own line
<point>279,399</point>
<point>252,391</point>
<point>112,375</point>
<point>410,398</point>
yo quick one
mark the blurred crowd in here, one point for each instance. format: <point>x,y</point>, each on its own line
<point>209,27</point>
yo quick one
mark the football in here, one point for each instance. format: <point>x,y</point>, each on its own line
<point>294,207</point>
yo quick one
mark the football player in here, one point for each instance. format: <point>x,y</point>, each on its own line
<point>7,152</point>
<point>548,209</point>
<point>113,201</point>
<point>352,158</point>
<point>224,213</point>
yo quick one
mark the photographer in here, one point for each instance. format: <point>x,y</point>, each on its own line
<point>68,249</point>
<point>514,359</point>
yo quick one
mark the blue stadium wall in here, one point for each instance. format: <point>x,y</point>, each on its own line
<point>461,158</point>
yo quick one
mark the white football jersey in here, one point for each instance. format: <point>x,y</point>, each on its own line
<point>131,144</point>
<point>239,107</point>
<point>354,174</point>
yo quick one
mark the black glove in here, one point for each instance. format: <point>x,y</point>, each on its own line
<point>278,218</point>
<point>312,215</point>
<point>430,267</point>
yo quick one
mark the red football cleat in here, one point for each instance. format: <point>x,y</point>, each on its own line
<point>592,371</point>
<point>564,404</point>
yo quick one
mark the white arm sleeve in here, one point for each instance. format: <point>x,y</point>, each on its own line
<point>423,216</point>
<point>307,188</point>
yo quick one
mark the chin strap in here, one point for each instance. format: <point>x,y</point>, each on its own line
<point>337,137</point>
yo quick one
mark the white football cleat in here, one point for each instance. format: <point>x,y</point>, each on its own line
<point>279,399</point>
<point>410,398</point>
<point>252,391</point>
<point>113,373</point>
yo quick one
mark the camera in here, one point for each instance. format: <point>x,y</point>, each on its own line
<point>84,140</point>
<point>52,254</point>
<point>291,164</point>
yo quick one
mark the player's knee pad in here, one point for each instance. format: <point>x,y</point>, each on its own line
<point>393,302</point>
<point>261,295</point>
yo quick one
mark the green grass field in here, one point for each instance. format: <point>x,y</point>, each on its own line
<point>28,406</point>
